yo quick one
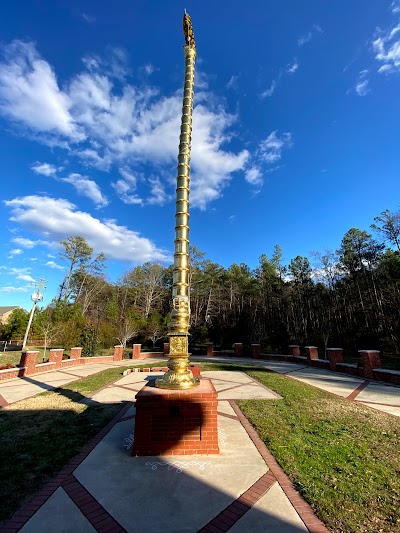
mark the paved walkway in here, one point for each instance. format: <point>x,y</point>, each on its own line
<point>104,489</point>
<point>374,394</point>
<point>242,489</point>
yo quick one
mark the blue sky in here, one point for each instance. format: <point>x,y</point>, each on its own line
<point>295,129</point>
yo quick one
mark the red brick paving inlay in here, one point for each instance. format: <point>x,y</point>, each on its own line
<point>99,518</point>
<point>21,517</point>
<point>234,512</point>
<point>357,391</point>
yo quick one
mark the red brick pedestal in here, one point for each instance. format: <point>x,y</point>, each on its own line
<point>311,352</point>
<point>294,349</point>
<point>335,355</point>
<point>370,359</point>
<point>176,422</point>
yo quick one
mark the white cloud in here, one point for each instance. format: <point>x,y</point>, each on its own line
<point>233,82</point>
<point>271,148</point>
<point>25,277</point>
<point>106,123</point>
<point>15,251</point>
<point>395,7</point>
<point>46,169</point>
<point>86,187</point>
<point>292,67</point>
<point>148,69</point>
<point>62,220</point>
<point>15,289</point>
<point>88,18</point>
<point>27,243</point>
<point>361,88</point>
<point>304,39</point>
<point>29,93</point>
<point>269,92</point>
<point>254,177</point>
<point>387,49</point>
<point>158,195</point>
<point>126,187</point>
<point>54,265</point>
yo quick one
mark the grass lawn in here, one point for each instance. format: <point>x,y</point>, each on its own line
<point>38,436</point>
<point>343,457</point>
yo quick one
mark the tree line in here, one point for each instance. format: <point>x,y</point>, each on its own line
<point>348,298</point>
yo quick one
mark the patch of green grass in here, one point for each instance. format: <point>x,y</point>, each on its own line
<point>38,436</point>
<point>343,457</point>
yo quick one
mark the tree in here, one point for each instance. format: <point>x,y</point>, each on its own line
<point>46,327</point>
<point>77,255</point>
<point>16,324</point>
<point>389,227</point>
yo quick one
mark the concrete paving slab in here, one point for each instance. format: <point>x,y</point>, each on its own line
<point>231,378</point>
<point>380,393</point>
<point>169,494</point>
<point>111,395</point>
<point>58,515</point>
<point>225,407</point>
<point>273,513</point>
<point>339,384</point>
<point>27,387</point>
<point>282,367</point>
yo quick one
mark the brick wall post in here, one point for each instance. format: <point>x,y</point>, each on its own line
<point>76,353</point>
<point>55,356</point>
<point>136,351</point>
<point>28,360</point>
<point>166,348</point>
<point>210,349</point>
<point>238,349</point>
<point>370,359</point>
<point>118,352</point>
<point>335,355</point>
<point>311,352</point>
<point>255,351</point>
<point>294,349</point>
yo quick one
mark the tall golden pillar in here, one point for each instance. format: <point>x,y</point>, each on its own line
<point>179,376</point>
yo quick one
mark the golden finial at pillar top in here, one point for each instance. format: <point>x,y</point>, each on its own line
<point>188,30</point>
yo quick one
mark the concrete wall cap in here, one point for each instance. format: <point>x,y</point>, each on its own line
<point>333,349</point>
<point>12,369</point>
<point>369,351</point>
<point>45,364</point>
<point>310,346</point>
<point>295,346</point>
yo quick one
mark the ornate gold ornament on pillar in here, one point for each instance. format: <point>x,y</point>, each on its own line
<point>179,376</point>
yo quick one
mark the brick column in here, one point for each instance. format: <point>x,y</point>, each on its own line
<point>210,349</point>
<point>136,351</point>
<point>294,349</point>
<point>238,349</point>
<point>335,355</point>
<point>55,356</point>
<point>311,352</point>
<point>118,352</point>
<point>370,359</point>
<point>166,348</point>
<point>76,353</point>
<point>28,360</point>
<point>255,351</point>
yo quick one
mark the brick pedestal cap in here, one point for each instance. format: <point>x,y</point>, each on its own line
<point>55,356</point>
<point>28,360</point>
<point>76,353</point>
<point>118,352</point>
<point>255,351</point>
<point>210,349</point>
<point>335,355</point>
<point>294,349</point>
<point>176,422</point>
<point>311,352</point>
<point>370,359</point>
<point>166,348</point>
<point>238,349</point>
<point>136,351</point>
